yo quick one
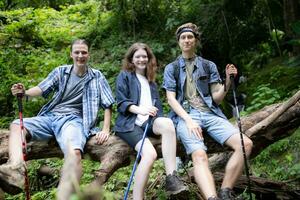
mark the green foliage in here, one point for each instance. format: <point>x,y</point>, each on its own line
<point>296,30</point>
<point>7,5</point>
<point>263,96</point>
<point>49,27</point>
<point>35,41</point>
<point>89,167</point>
<point>35,37</point>
<point>281,160</point>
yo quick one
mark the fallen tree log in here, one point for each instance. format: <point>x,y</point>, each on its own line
<point>115,154</point>
<point>264,188</point>
<point>261,187</point>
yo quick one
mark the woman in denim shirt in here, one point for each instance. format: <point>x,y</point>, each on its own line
<point>136,92</point>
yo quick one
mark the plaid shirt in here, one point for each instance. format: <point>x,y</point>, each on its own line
<point>96,94</point>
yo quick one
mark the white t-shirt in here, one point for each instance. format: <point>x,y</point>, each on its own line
<point>145,99</point>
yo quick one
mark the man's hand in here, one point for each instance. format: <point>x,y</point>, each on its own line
<point>102,137</point>
<point>231,70</point>
<point>194,128</point>
<point>17,88</point>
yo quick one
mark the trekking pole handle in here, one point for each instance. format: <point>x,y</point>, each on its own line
<point>20,94</point>
<point>19,98</point>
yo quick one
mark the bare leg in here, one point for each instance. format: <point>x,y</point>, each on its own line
<point>78,170</point>
<point>164,127</point>
<point>149,155</point>
<point>70,175</point>
<point>235,164</point>
<point>15,144</point>
<point>203,175</point>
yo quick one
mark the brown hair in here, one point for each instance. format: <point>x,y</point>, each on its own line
<point>192,27</point>
<point>79,41</point>
<point>151,65</point>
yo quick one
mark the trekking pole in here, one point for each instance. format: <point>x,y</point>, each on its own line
<point>241,134</point>
<point>137,158</point>
<point>23,139</point>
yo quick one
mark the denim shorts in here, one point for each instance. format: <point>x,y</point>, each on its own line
<point>65,128</point>
<point>218,128</point>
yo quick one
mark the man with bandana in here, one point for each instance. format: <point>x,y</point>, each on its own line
<point>194,91</point>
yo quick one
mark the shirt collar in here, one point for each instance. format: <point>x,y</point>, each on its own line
<point>198,61</point>
<point>90,72</point>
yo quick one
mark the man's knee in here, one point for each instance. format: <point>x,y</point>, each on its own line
<point>199,157</point>
<point>248,145</point>
<point>14,128</point>
<point>78,154</point>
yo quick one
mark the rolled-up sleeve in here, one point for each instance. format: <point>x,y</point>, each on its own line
<point>122,93</point>
<point>50,83</point>
<point>107,99</point>
<point>214,74</point>
<point>169,82</point>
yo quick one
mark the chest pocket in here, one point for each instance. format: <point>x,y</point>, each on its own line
<point>93,90</point>
<point>203,84</point>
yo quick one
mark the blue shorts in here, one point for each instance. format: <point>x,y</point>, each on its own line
<point>65,128</point>
<point>218,128</point>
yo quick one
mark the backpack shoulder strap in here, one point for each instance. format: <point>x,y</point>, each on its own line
<point>206,66</point>
<point>176,71</point>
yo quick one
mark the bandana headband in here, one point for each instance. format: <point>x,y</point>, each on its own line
<point>185,29</point>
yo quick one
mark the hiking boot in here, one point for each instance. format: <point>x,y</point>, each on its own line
<point>226,194</point>
<point>174,185</point>
<point>12,178</point>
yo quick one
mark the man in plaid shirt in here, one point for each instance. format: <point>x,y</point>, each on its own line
<point>70,117</point>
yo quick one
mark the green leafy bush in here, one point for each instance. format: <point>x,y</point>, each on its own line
<point>280,161</point>
<point>263,96</point>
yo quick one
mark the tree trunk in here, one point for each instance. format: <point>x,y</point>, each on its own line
<point>115,154</point>
<point>291,10</point>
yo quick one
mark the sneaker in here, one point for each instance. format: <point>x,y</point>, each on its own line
<point>174,185</point>
<point>12,178</point>
<point>226,194</point>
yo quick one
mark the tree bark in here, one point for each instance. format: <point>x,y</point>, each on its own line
<point>115,154</point>
<point>261,187</point>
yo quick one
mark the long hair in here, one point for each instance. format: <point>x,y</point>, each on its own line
<point>151,65</point>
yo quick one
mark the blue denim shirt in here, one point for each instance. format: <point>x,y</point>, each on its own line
<point>203,80</point>
<point>128,92</point>
<point>96,94</point>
